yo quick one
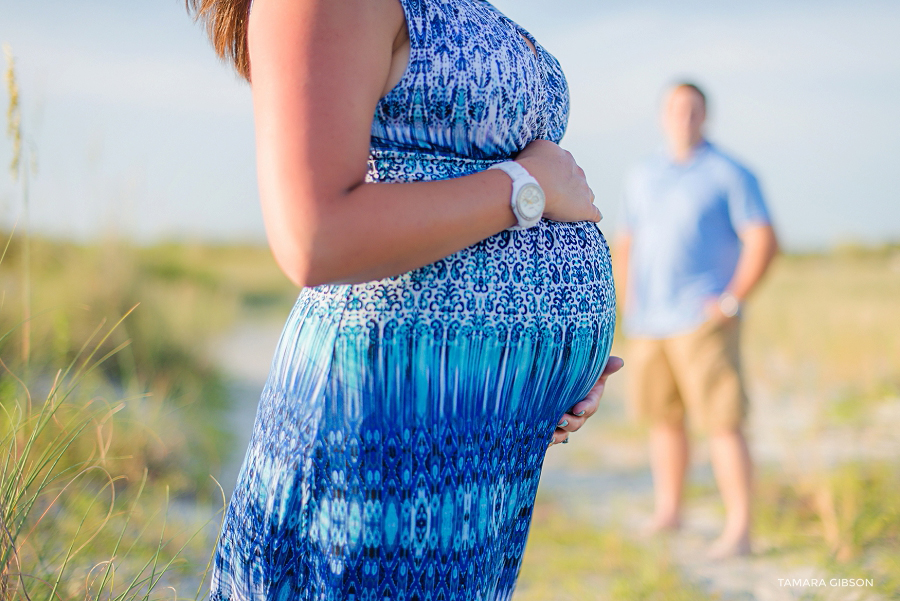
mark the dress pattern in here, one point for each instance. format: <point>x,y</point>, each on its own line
<point>399,440</point>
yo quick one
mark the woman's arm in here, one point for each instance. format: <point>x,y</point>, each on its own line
<point>319,68</point>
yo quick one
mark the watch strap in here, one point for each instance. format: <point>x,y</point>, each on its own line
<point>520,177</point>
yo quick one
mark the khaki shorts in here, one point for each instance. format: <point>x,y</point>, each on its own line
<point>698,373</point>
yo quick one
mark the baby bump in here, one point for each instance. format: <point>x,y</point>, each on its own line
<point>521,322</point>
<point>432,395</point>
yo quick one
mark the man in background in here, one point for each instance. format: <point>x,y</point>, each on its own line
<point>696,240</point>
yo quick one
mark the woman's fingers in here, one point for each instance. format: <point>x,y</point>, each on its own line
<point>612,366</point>
<point>559,436</point>
<point>592,212</point>
<point>587,406</point>
<point>583,409</point>
<point>568,196</point>
<point>571,423</point>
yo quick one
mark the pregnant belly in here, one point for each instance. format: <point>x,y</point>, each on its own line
<point>554,272</point>
<point>522,321</point>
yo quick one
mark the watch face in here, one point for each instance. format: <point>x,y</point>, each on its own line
<point>729,305</point>
<point>530,201</point>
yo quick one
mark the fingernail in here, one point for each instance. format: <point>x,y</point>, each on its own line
<point>579,414</point>
<point>563,423</point>
<point>566,441</point>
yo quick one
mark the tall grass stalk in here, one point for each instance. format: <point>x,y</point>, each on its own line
<point>56,513</point>
<point>20,171</point>
<point>175,424</point>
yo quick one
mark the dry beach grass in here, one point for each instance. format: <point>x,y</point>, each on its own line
<point>823,366</point>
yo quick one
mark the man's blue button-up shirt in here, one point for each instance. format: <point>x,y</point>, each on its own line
<point>684,221</point>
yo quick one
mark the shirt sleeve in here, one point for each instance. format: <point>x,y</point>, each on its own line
<point>746,205</point>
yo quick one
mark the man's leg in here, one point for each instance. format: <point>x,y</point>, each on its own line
<point>706,364</point>
<point>655,399</point>
<point>668,463</point>
<point>733,470</point>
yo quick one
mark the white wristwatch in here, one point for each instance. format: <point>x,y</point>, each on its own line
<point>527,196</point>
<point>729,305</point>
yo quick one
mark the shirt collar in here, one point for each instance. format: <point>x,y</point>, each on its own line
<point>699,150</point>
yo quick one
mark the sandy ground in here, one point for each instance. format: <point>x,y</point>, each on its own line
<point>603,474</point>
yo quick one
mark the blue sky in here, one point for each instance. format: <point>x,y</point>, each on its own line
<point>138,129</point>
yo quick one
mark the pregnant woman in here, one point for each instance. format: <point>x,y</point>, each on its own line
<point>457,307</point>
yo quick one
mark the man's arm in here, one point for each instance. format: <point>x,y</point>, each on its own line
<point>759,247</point>
<point>621,251</point>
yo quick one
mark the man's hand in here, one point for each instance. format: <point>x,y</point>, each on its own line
<point>715,314</point>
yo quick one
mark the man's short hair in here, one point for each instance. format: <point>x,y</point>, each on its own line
<point>691,86</point>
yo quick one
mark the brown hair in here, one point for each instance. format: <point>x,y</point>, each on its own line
<point>691,86</point>
<point>226,26</point>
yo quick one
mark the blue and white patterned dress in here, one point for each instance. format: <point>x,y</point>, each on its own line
<point>399,440</point>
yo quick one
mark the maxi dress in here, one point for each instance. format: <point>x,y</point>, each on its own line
<point>399,440</point>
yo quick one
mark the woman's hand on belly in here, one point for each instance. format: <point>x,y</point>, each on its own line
<point>568,196</point>
<point>585,408</point>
